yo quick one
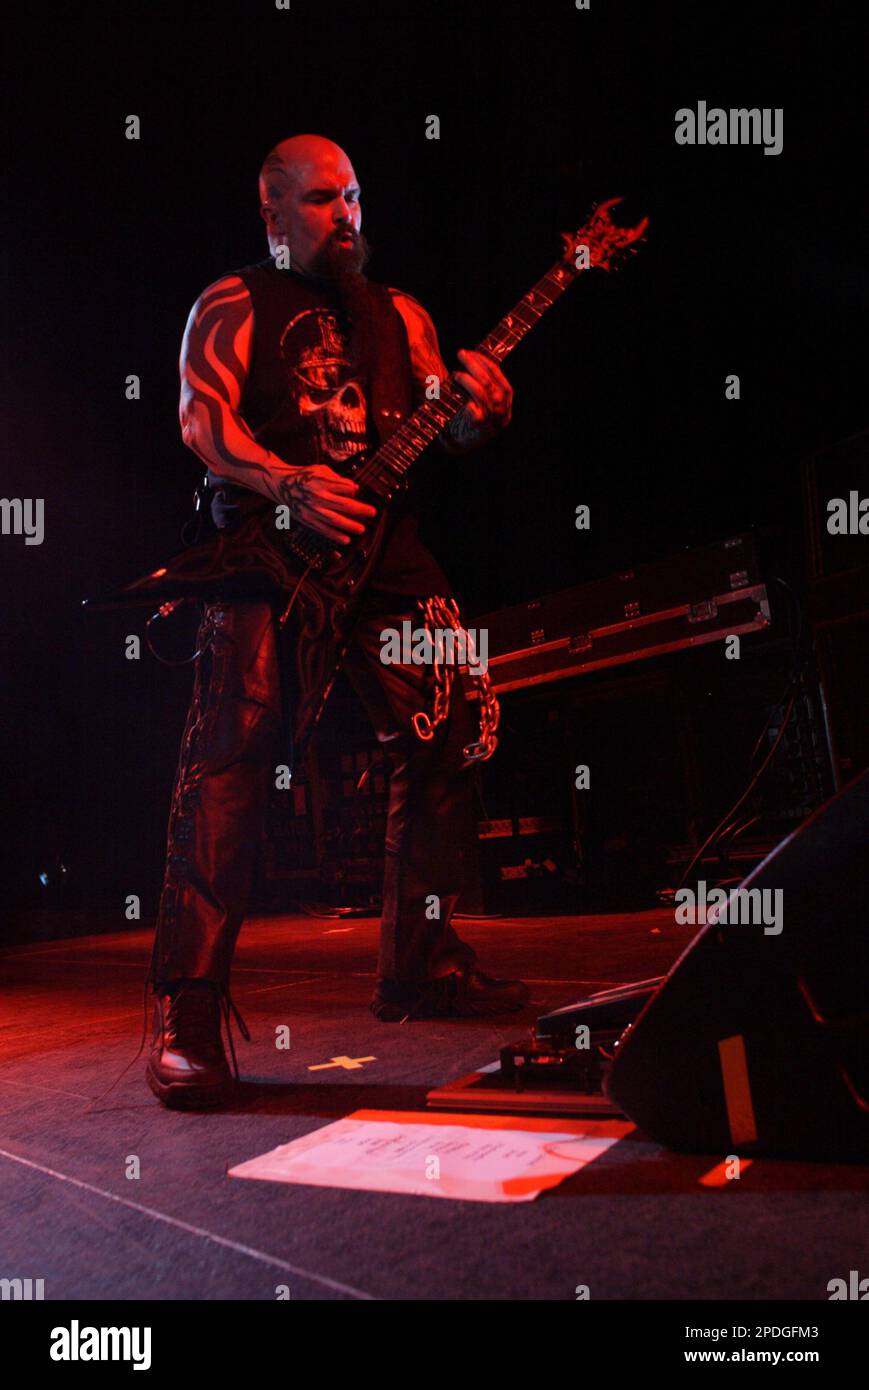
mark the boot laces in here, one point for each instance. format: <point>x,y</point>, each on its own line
<point>227,1005</point>
<point>191,1014</point>
<point>193,1011</point>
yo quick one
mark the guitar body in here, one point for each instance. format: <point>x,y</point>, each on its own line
<point>323,613</point>
<point>253,558</point>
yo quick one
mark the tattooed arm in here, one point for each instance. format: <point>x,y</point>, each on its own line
<point>215,358</point>
<point>491,395</point>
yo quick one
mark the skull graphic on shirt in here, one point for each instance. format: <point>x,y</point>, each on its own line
<point>323,387</point>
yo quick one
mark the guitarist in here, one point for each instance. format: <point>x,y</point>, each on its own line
<point>286,373</point>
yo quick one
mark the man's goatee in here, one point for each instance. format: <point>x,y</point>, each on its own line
<point>334,262</point>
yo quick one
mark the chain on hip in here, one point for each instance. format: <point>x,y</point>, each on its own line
<point>439,616</point>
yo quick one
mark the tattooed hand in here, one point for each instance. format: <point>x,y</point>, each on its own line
<point>325,501</point>
<point>491,404</point>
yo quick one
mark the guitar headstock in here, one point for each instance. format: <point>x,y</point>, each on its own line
<point>600,244</point>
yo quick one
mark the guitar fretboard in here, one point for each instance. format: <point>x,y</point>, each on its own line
<point>385,471</point>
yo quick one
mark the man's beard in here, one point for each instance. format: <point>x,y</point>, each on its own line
<point>342,266</point>
<point>335,262</point>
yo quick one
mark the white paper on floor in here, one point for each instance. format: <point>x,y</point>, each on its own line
<point>480,1159</point>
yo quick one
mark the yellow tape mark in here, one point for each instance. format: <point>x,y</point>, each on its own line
<point>737,1090</point>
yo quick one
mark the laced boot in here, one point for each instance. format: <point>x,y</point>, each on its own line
<point>187,1068</point>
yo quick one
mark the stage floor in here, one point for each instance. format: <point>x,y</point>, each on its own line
<point>638,1223</point>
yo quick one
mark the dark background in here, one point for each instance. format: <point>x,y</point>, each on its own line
<point>755,265</point>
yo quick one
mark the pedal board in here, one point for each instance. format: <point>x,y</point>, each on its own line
<point>535,1077</point>
<point>562,1068</point>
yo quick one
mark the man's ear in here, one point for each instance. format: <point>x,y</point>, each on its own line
<point>271,219</point>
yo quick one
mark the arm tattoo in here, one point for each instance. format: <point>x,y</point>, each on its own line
<point>425,355</point>
<point>215,355</point>
<point>422,339</point>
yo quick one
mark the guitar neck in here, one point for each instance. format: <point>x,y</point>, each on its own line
<point>385,471</point>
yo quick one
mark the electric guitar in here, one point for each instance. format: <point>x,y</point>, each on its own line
<point>254,558</point>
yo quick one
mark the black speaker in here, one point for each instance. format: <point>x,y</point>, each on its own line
<point>757,1041</point>
<point>838,594</point>
<point>835,482</point>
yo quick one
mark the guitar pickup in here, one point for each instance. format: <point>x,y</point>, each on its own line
<point>580,642</point>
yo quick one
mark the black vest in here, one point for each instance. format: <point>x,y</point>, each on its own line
<point>307,401</point>
<point>304,399</point>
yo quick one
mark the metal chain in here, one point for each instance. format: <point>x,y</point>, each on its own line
<point>439,616</point>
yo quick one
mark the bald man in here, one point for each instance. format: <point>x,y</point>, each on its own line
<point>290,368</point>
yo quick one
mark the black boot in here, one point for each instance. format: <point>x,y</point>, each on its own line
<point>464,993</point>
<point>187,1068</point>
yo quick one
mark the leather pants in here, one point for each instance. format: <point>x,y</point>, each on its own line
<point>229,753</point>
